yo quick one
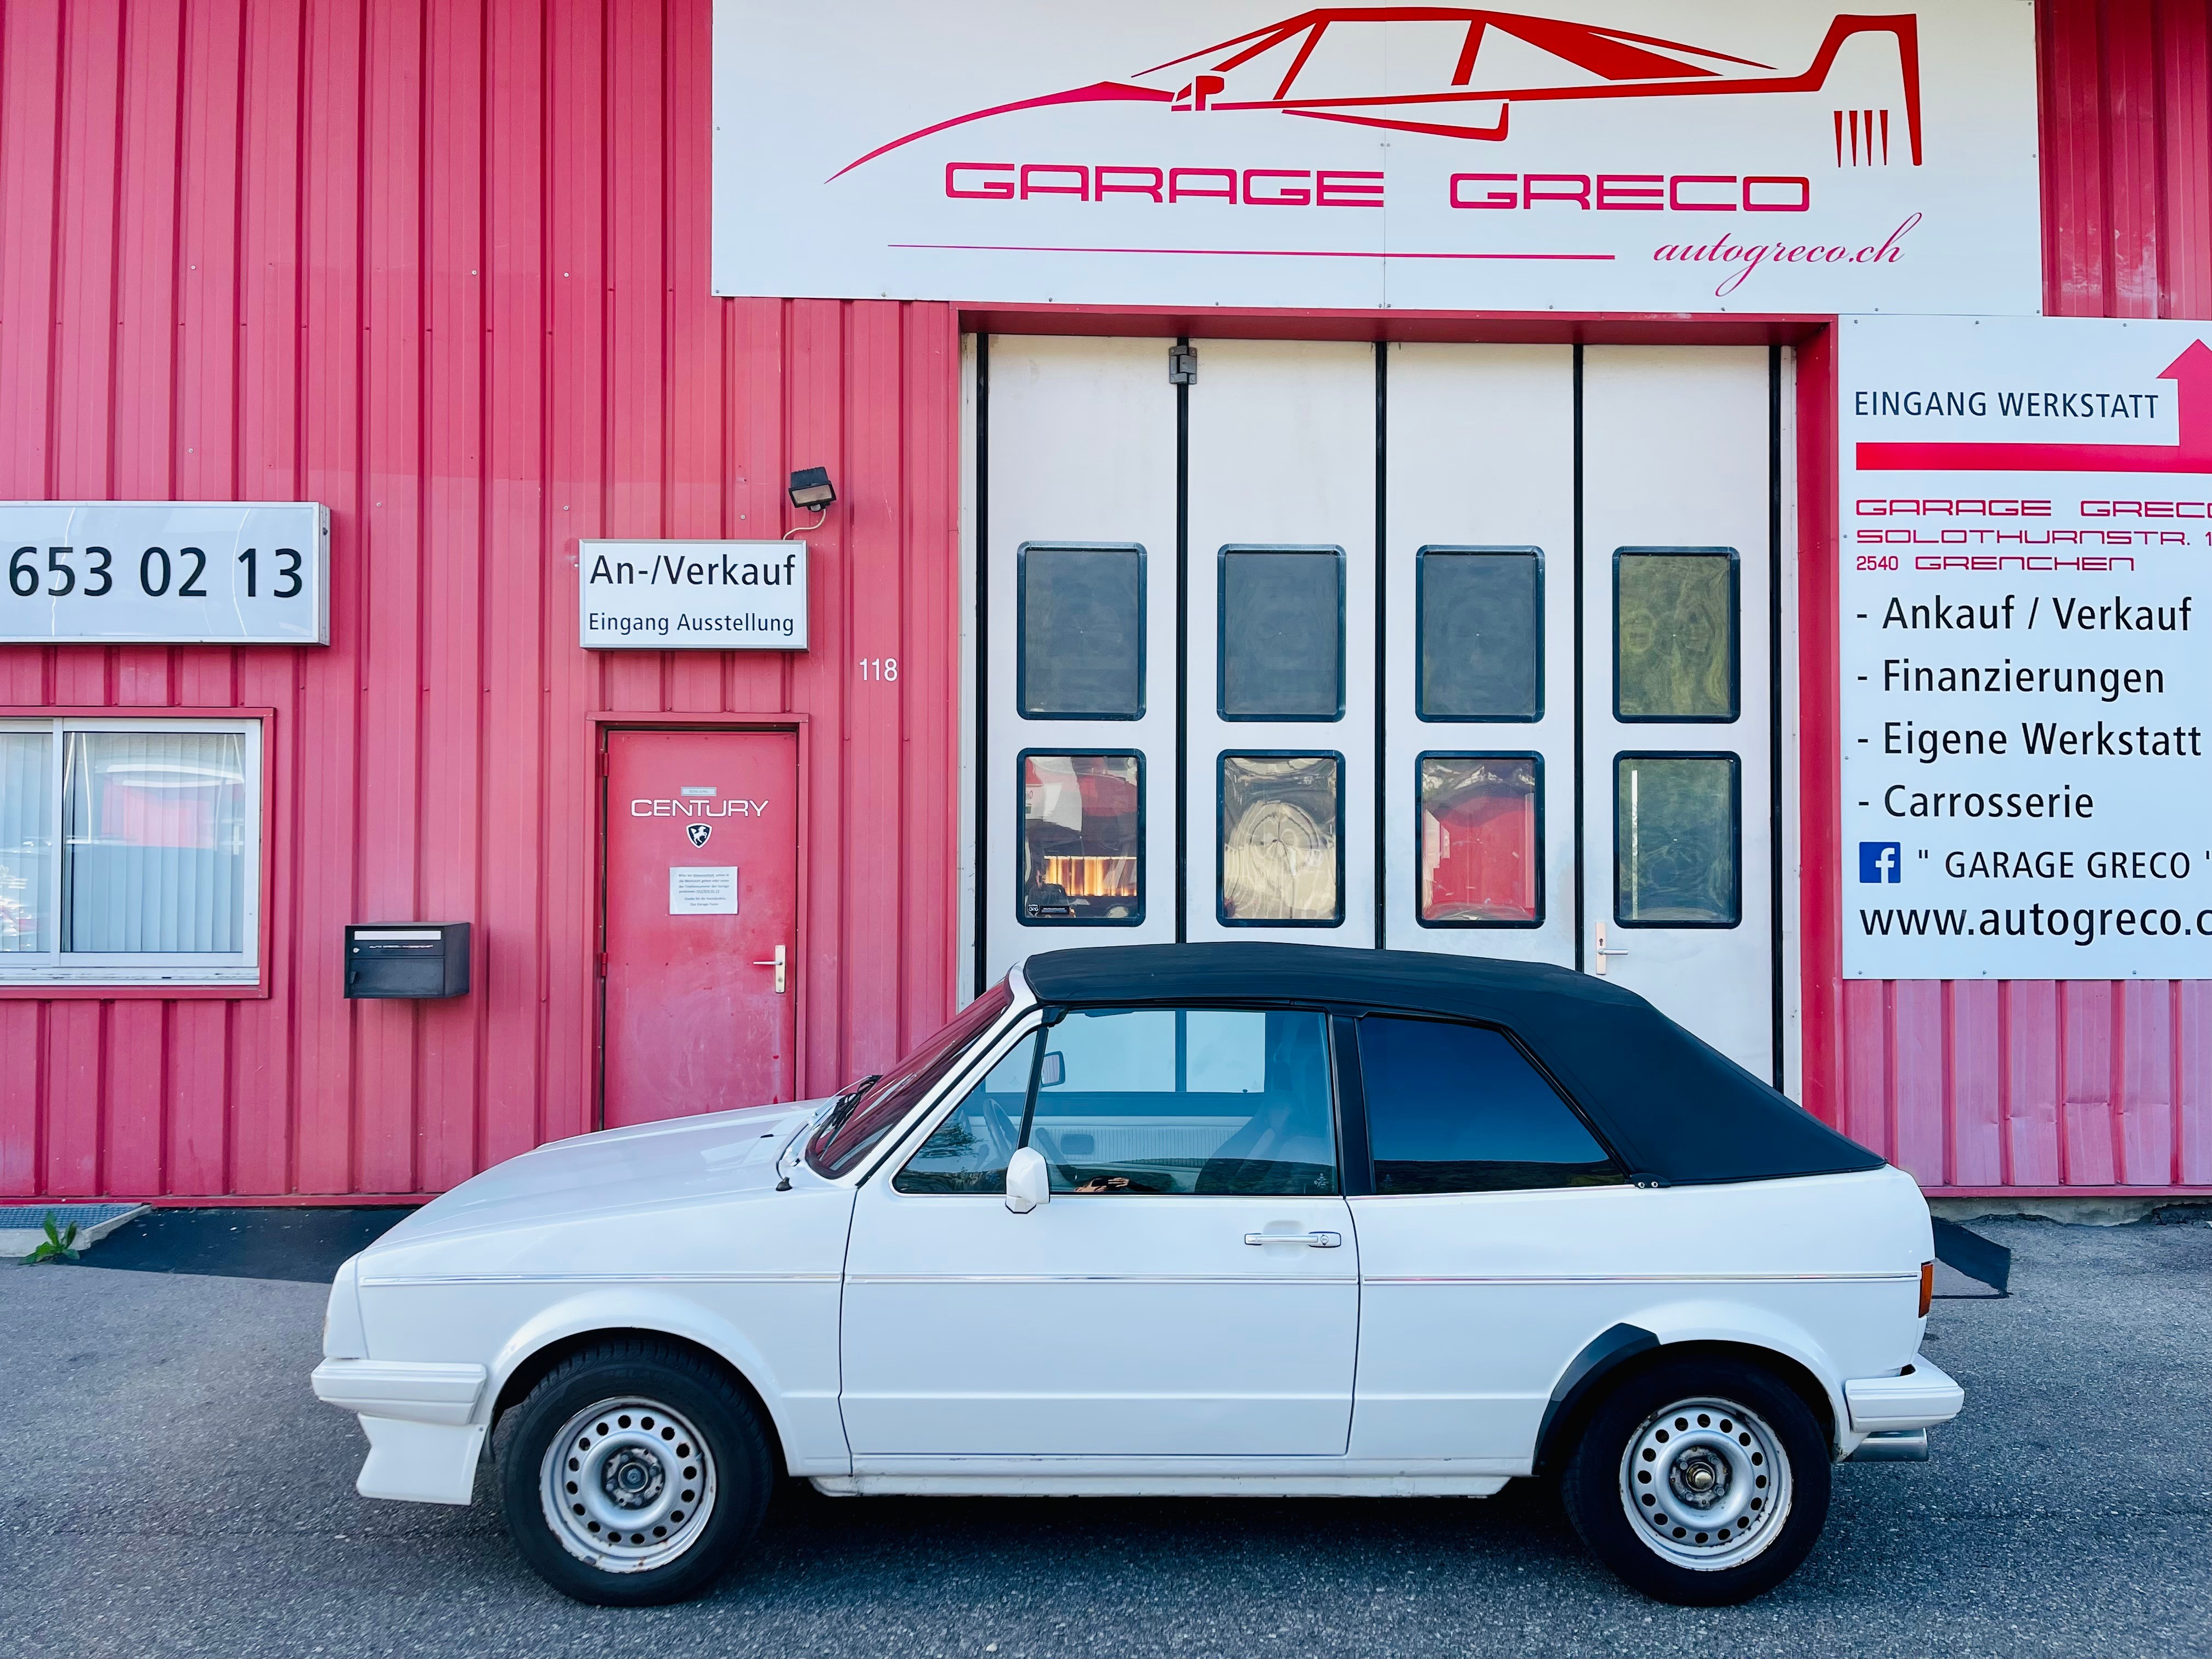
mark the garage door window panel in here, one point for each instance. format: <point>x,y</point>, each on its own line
<point>1481,851</point>
<point>1480,626</point>
<point>1678,840</point>
<point>1082,633</point>
<point>1459,1109</point>
<point>1204,1101</point>
<point>1082,838</point>
<point>1282,633</point>
<point>1675,635</point>
<point>1281,850</point>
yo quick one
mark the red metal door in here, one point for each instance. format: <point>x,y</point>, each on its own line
<point>701,889</point>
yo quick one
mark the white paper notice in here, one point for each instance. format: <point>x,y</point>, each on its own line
<point>703,890</point>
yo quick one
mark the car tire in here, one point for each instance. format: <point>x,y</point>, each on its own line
<point>633,1473</point>
<point>1699,1481</point>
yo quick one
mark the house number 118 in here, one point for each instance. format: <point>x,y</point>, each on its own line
<point>879,668</point>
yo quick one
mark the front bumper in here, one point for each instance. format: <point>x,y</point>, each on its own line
<point>421,1445</point>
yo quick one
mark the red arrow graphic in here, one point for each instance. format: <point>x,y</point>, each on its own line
<point>2191,372</point>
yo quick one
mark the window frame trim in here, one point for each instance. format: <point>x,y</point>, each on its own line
<point>1542,893</point>
<point>174,975</point>
<point>1221,558</point>
<point>1736,636</point>
<point>1144,897</point>
<point>1022,636</point>
<point>1736,809</point>
<point>1420,622</point>
<point>1221,837</point>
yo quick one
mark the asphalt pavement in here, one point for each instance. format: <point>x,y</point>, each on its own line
<point>171,1487</point>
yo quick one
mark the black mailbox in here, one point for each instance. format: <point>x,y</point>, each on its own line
<point>407,959</point>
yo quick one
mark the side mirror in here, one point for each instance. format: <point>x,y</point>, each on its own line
<point>1052,1070</point>
<point>1029,1182</point>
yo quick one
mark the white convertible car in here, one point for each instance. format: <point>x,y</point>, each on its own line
<point>1219,1219</point>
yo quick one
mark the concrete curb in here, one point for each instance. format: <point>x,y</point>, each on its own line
<point>16,1243</point>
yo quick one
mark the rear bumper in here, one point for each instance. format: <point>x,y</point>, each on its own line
<point>1922,1396</point>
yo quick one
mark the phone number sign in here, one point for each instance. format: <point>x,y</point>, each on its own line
<point>177,573</point>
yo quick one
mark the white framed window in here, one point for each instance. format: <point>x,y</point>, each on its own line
<point>130,851</point>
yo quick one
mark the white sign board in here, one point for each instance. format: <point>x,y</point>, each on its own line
<point>181,572</point>
<point>1699,156</point>
<point>695,596</point>
<point>2026,588</point>
<point>702,889</point>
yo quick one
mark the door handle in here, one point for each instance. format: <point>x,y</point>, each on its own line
<point>1602,953</point>
<point>778,963</point>
<point>1312,1241</point>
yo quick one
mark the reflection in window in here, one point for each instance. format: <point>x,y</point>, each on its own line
<point>968,1152</point>
<point>1282,633</point>
<point>1082,846</point>
<point>27,840</point>
<point>1281,857</point>
<point>1169,1100</point>
<point>1674,634</point>
<point>1480,634</point>
<point>1082,633</point>
<point>1677,842</point>
<point>156,834</point>
<point>1457,1108</point>
<point>1480,859</point>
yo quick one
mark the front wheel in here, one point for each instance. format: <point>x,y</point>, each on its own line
<point>1703,1482</point>
<point>631,1475</point>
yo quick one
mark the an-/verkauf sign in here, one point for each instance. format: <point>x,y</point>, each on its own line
<point>1700,155</point>
<point>224,573</point>
<point>697,596</point>
<point>2027,691</point>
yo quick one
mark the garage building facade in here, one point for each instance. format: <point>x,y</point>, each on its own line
<point>445,267</point>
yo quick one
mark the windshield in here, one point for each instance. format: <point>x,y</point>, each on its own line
<point>848,1133</point>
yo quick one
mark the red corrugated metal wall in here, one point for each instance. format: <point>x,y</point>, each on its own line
<point>2099,1084</point>
<point>442,264</point>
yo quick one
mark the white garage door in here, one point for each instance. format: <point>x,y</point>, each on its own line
<point>1441,647</point>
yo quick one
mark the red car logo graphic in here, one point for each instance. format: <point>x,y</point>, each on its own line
<point>1275,69</point>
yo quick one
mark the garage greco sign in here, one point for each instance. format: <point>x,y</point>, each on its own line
<point>2025,541</point>
<point>692,595</point>
<point>1607,155</point>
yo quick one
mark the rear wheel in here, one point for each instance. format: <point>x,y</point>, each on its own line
<point>1702,1482</point>
<point>632,1473</point>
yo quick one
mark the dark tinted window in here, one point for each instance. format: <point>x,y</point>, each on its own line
<point>1282,633</point>
<point>1479,635</point>
<point>1082,632</point>
<point>1456,1108</point>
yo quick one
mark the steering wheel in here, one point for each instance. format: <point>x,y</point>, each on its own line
<point>1002,1125</point>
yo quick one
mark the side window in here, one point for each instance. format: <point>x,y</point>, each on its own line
<point>1457,1108</point>
<point>968,1152</point>
<point>1201,1100</point>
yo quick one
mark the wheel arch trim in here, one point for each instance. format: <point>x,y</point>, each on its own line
<point>538,1344</point>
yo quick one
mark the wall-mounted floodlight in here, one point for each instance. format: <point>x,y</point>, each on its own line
<point>811,490</point>
<point>810,487</point>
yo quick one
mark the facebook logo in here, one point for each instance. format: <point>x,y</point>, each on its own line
<point>1880,861</point>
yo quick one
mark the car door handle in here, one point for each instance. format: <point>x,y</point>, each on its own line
<point>1313,1241</point>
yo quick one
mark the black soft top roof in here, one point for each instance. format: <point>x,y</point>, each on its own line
<point>1673,1108</point>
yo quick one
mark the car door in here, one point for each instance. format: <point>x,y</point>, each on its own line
<point>1190,1290</point>
<point>1497,1239</point>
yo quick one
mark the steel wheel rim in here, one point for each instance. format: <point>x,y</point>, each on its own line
<point>627,1484</point>
<point>1705,1483</point>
